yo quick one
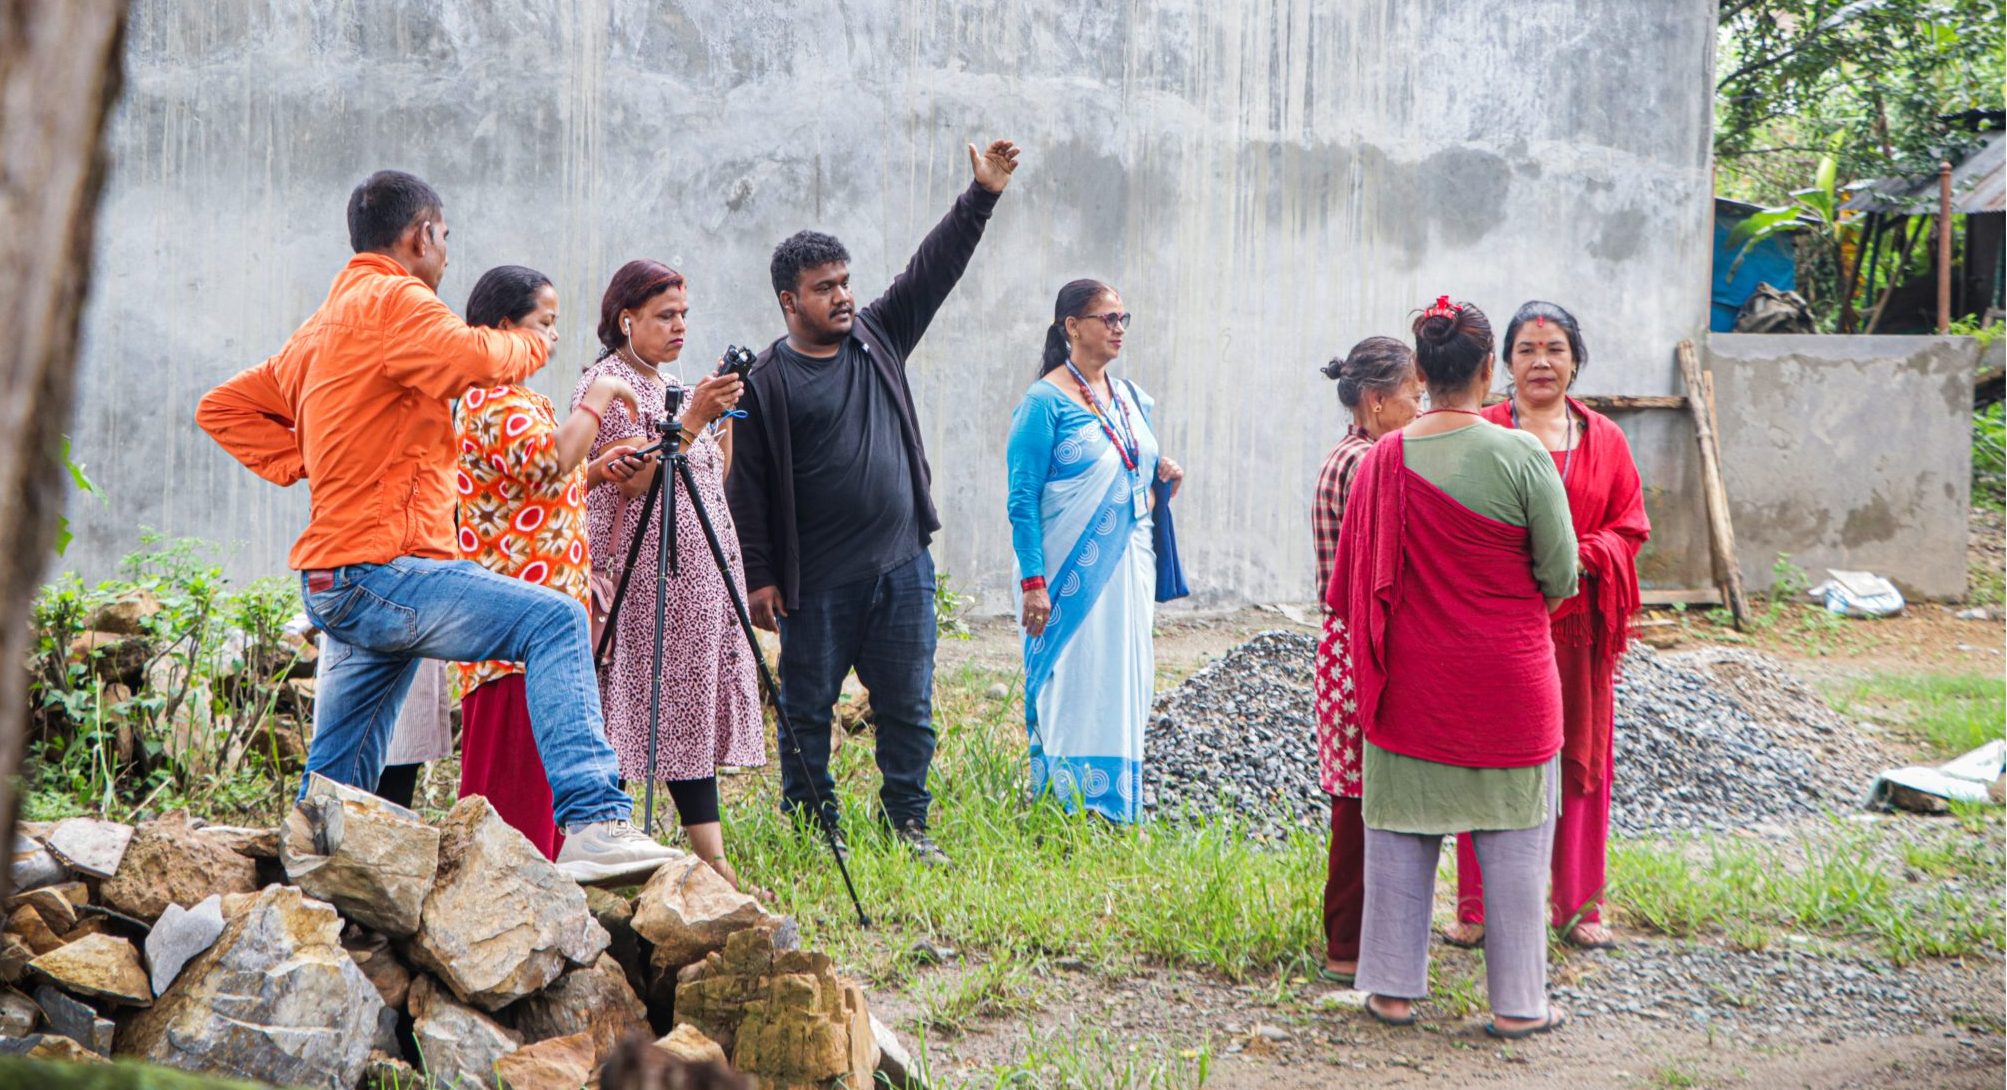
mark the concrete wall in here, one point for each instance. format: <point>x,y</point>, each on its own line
<point>1848,452</point>
<point>1267,181</point>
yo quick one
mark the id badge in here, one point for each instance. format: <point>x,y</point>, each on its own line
<point>1142,497</point>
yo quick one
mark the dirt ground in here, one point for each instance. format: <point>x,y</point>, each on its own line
<point>1166,1015</point>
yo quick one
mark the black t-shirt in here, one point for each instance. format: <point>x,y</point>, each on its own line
<point>853,480</point>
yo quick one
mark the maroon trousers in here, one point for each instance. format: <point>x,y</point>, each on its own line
<point>1345,881</point>
<point>499,761</point>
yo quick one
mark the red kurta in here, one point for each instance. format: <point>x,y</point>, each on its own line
<point>1606,502</point>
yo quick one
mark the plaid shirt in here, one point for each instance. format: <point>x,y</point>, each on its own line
<point>1334,486</point>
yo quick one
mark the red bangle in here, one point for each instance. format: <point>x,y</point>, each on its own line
<point>1036,582</point>
<point>596,418</point>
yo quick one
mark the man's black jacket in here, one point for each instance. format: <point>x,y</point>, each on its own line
<point>761,485</point>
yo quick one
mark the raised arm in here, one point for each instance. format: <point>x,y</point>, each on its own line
<point>251,417</point>
<point>430,349</point>
<point>909,304</point>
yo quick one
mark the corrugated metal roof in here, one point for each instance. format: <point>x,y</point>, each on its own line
<point>1979,184</point>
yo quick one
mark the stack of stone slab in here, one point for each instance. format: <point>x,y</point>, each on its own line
<point>358,946</point>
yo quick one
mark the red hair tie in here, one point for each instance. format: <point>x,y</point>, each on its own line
<point>1443,308</point>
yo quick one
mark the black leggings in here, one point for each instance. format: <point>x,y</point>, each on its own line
<point>398,784</point>
<point>696,800</point>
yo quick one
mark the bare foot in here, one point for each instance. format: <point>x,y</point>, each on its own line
<point>1464,934</point>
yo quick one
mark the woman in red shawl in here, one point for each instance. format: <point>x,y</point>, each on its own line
<point>1456,546</point>
<point>1607,504</point>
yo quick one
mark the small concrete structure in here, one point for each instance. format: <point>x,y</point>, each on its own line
<point>1848,452</point>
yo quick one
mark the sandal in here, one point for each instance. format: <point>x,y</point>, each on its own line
<point>1574,939</point>
<point>1555,1020</point>
<point>1467,936</point>
<point>1333,976</point>
<point>1388,1020</point>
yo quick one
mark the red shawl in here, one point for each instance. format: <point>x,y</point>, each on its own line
<point>1448,633</point>
<point>1607,503</point>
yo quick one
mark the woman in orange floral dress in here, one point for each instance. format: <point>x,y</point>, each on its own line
<point>522,514</point>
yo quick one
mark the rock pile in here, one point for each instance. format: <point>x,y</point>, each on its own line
<point>1712,739</point>
<point>359,947</point>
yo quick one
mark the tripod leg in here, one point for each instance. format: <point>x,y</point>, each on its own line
<point>627,571</point>
<point>665,544</point>
<point>767,678</point>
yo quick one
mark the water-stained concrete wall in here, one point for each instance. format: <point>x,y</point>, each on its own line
<point>1848,452</point>
<point>1267,181</point>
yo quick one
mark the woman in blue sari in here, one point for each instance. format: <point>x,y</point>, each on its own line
<point>1083,459</point>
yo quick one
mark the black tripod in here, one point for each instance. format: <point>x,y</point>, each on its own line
<point>667,566</point>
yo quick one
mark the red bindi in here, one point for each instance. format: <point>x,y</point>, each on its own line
<point>1539,322</point>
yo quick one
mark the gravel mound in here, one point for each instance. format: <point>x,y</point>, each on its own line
<point>1709,739</point>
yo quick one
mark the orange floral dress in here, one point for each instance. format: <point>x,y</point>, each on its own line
<point>520,514</point>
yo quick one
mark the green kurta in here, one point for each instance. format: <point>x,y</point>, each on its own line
<point>1508,476</point>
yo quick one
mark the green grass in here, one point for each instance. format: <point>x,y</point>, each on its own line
<point>1951,713</point>
<point>1030,883</point>
<point>1920,889</point>
<point>1094,1061</point>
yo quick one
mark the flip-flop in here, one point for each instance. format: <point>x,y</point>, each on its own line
<point>1387,1020</point>
<point>1333,976</point>
<point>1555,1020</point>
<point>1450,938</point>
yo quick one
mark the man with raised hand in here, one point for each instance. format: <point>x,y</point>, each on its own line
<point>358,404</point>
<point>829,490</point>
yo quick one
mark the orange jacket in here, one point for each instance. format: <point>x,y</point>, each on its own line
<point>358,404</point>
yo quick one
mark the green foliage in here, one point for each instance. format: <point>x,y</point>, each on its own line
<point>1952,713</point>
<point>83,484</point>
<point>1848,882</point>
<point>1031,882</point>
<point>948,609</point>
<point>188,707</point>
<point>1792,76</point>
<point>1989,457</point>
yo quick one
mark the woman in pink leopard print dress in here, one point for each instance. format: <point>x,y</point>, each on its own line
<point>710,700</point>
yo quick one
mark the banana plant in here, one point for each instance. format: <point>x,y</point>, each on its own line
<point>1816,207</point>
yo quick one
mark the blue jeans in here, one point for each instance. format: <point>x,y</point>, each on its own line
<point>381,619</point>
<point>883,627</point>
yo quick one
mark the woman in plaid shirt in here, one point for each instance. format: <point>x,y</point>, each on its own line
<point>1377,381</point>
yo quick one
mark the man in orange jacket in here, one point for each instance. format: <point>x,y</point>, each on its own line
<point>358,404</point>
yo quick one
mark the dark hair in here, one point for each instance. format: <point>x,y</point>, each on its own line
<point>637,282</point>
<point>803,250</point>
<point>1379,364</point>
<point>1073,301</point>
<point>1554,313</point>
<point>1451,341</point>
<point>505,293</point>
<point>384,205</point>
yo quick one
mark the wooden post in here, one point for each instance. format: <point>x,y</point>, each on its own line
<point>60,69</point>
<point>1720,531</point>
<point>1943,248</point>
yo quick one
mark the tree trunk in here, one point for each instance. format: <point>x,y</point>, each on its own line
<point>61,64</point>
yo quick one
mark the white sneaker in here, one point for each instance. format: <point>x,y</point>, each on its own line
<point>611,853</point>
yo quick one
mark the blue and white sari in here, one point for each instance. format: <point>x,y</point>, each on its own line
<point>1074,520</point>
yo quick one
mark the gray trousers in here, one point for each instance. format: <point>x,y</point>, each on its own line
<point>1400,901</point>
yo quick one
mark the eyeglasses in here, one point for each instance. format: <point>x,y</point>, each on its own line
<point>1113,319</point>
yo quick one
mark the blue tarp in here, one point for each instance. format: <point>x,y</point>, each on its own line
<point>1773,261</point>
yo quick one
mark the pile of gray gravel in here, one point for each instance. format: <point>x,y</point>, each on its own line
<point>1710,739</point>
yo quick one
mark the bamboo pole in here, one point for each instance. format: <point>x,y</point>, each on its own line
<point>1943,248</point>
<point>1721,532</point>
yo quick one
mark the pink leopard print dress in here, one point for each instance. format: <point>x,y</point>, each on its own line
<point>710,698</point>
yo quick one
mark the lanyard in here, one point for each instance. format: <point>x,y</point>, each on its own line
<point>1568,437</point>
<point>1126,447</point>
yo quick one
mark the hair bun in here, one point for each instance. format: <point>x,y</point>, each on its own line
<point>1334,368</point>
